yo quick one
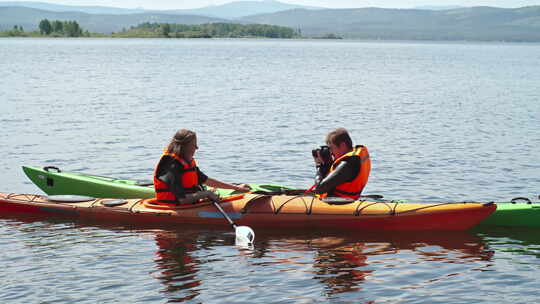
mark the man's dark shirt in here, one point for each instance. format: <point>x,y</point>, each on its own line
<point>169,172</point>
<point>347,170</point>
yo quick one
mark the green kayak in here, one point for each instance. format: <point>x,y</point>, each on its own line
<point>519,212</point>
<point>54,181</point>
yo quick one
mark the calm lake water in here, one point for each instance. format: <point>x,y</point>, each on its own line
<point>443,122</point>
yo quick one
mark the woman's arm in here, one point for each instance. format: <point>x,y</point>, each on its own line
<point>194,197</point>
<point>219,184</point>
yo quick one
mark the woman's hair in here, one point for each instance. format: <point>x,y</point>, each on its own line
<point>182,138</point>
<point>338,136</point>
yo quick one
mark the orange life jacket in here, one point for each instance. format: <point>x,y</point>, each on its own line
<point>188,176</point>
<point>354,188</point>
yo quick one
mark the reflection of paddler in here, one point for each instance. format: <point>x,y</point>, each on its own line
<point>337,260</point>
<point>340,264</point>
<point>174,259</point>
<point>170,248</point>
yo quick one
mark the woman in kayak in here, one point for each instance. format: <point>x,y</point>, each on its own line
<point>344,169</point>
<point>178,180</point>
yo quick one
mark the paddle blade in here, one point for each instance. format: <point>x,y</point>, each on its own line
<point>244,236</point>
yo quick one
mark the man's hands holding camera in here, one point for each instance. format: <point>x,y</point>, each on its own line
<point>322,155</point>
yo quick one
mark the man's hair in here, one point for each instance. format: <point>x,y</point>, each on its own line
<point>339,136</point>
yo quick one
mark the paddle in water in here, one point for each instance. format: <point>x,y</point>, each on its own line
<point>244,234</point>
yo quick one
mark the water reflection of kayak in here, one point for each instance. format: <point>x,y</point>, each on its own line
<point>451,240</point>
<point>525,236</point>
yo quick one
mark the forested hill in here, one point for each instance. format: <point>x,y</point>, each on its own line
<point>231,10</point>
<point>209,30</point>
<point>29,19</point>
<point>477,23</point>
<point>473,24</point>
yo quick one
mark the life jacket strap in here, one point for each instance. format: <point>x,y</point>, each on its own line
<point>188,169</point>
<point>169,202</point>
<point>347,193</point>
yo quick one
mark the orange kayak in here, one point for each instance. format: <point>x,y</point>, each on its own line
<point>261,211</point>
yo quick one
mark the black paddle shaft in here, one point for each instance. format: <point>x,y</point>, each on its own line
<point>224,214</point>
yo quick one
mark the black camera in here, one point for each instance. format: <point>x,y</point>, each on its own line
<point>324,152</point>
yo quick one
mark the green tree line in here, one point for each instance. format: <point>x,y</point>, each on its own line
<point>62,28</point>
<point>218,30</point>
<point>54,28</point>
<point>57,28</point>
<point>16,31</point>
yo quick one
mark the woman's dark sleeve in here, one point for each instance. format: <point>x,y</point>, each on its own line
<point>202,177</point>
<point>170,174</point>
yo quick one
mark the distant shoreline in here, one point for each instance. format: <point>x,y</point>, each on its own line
<point>487,42</point>
<point>219,30</point>
<point>36,34</point>
<point>61,28</point>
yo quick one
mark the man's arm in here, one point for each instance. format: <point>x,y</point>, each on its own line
<point>322,172</point>
<point>345,172</point>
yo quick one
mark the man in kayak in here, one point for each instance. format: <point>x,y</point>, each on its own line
<point>342,170</point>
<point>178,180</point>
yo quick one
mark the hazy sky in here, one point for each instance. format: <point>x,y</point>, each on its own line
<point>181,4</point>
